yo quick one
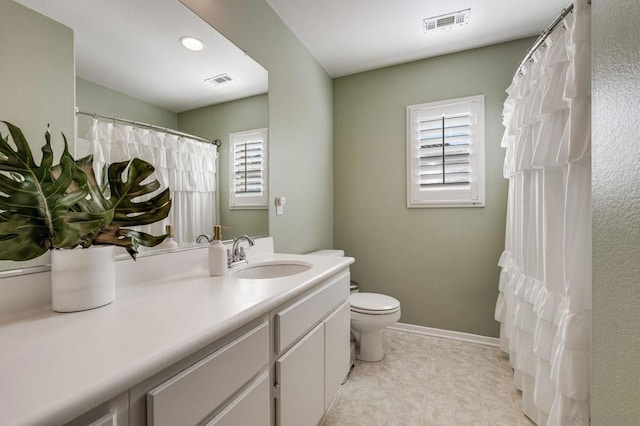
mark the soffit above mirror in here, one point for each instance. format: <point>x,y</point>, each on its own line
<point>134,47</point>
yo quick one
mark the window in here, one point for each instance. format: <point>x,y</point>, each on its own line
<point>445,153</point>
<point>248,155</point>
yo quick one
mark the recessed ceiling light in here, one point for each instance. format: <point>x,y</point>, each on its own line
<point>192,43</point>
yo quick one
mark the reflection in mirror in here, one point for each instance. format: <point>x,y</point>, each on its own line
<point>130,64</point>
<point>221,121</point>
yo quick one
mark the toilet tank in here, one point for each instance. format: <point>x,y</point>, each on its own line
<point>337,253</point>
<point>354,287</point>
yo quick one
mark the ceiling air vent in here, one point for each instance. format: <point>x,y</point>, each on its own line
<point>448,20</point>
<point>220,80</point>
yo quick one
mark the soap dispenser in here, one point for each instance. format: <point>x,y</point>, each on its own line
<point>168,242</point>
<point>217,254</point>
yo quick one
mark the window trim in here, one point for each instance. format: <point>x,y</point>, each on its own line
<point>249,202</point>
<point>443,197</point>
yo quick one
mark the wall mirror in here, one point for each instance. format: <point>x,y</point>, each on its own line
<point>130,64</point>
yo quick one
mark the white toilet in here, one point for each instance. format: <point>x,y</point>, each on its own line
<point>370,313</point>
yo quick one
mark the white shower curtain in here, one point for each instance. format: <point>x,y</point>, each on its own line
<point>544,304</point>
<point>186,166</point>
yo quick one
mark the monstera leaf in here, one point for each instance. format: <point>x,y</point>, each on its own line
<point>120,206</point>
<point>44,206</point>
<point>35,208</point>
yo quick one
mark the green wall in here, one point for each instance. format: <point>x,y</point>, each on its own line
<point>36,83</point>
<point>37,71</point>
<point>216,122</point>
<point>300,120</point>
<point>441,263</point>
<point>92,97</point>
<point>616,213</point>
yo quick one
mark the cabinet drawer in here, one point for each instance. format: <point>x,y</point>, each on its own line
<point>251,408</point>
<point>188,397</point>
<point>293,321</point>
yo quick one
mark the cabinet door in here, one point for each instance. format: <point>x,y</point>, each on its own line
<point>111,413</point>
<point>337,351</point>
<point>191,395</point>
<point>251,408</point>
<point>110,419</point>
<point>300,378</point>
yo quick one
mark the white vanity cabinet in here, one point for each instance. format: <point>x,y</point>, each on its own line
<point>198,351</point>
<point>225,385</point>
<point>311,343</point>
<point>112,413</point>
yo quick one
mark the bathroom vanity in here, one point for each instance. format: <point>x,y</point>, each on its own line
<point>180,347</point>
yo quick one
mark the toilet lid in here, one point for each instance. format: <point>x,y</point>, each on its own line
<point>373,303</point>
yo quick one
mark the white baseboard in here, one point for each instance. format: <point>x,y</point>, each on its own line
<point>447,334</point>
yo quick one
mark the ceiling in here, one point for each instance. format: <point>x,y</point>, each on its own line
<point>132,46</point>
<point>351,36</point>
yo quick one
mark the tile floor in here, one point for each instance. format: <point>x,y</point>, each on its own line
<point>430,381</point>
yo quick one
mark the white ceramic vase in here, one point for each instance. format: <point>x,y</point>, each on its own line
<point>82,279</point>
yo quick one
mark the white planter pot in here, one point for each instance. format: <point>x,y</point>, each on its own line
<point>82,279</point>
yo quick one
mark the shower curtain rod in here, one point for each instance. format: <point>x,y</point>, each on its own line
<point>216,142</point>
<point>543,36</point>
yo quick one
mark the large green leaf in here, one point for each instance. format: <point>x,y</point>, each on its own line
<point>63,206</point>
<point>35,209</point>
<point>126,210</point>
<point>118,201</point>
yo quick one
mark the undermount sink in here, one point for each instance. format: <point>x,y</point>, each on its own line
<point>266,270</point>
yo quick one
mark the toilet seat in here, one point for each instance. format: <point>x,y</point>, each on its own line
<point>373,304</point>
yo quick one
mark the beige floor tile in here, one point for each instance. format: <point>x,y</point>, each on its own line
<point>466,384</point>
<point>378,393</point>
<point>402,418</point>
<point>408,406</point>
<point>429,381</point>
<point>470,419</point>
<point>523,420</point>
<point>373,416</point>
<point>502,419</point>
<point>438,412</point>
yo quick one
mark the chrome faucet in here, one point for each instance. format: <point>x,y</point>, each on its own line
<point>201,236</point>
<point>237,256</point>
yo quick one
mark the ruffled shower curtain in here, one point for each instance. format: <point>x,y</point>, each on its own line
<point>544,304</point>
<point>186,166</point>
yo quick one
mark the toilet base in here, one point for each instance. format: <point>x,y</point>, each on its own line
<point>370,347</point>
<point>367,329</point>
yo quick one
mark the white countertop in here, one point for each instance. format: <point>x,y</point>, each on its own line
<point>54,366</point>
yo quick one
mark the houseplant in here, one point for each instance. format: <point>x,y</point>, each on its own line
<point>45,207</point>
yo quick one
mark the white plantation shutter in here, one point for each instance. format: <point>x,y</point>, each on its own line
<point>248,163</point>
<point>248,169</point>
<point>445,153</point>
